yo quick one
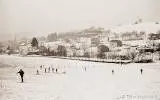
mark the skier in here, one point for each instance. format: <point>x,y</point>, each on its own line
<point>37,72</point>
<point>41,67</point>
<point>85,69</point>
<point>52,69</point>
<point>45,70</point>
<point>112,71</point>
<point>141,71</point>
<point>56,70</point>
<point>21,73</point>
<point>48,69</point>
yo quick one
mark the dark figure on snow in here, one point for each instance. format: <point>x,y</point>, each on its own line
<point>121,63</point>
<point>45,70</point>
<point>37,72</point>
<point>141,71</point>
<point>52,69</point>
<point>112,71</point>
<point>85,69</point>
<point>41,67</point>
<point>56,70</point>
<point>48,69</point>
<point>21,73</point>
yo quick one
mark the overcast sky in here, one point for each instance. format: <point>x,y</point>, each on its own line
<point>45,16</point>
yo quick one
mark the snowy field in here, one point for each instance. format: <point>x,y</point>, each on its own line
<point>96,83</point>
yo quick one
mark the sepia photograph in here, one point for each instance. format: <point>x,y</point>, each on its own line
<point>79,49</point>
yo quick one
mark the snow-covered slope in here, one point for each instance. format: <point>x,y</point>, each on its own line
<point>147,27</point>
<point>96,83</point>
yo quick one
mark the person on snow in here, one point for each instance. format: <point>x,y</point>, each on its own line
<point>49,69</point>
<point>141,71</point>
<point>37,72</point>
<point>45,70</point>
<point>112,71</point>
<point>41,67</point>
<point>52,69</point>
<point>21,73</point>
<point>85,69</point>
<point>56,70</point>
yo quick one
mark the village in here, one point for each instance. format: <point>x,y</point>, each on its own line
<point>133,45</point>
<point>68,66</point>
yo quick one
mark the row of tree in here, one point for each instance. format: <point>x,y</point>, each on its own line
<point>60,51</point>
<point>50,38</point>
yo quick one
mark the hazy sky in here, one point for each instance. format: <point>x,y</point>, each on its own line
<point>45,16</point>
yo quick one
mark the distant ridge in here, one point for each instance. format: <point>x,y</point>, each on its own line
<point>150,27</point>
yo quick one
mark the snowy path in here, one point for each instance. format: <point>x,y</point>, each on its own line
<point>96,83</point>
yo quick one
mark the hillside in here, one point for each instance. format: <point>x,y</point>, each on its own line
<point>150,27</point>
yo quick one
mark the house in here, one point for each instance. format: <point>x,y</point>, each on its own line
<point>85,43</point>
<point>113,36</point>
<point>92,51</point>
<point>79,53</point>
<point>24,48</point>
<point>95,41</point>
<point>104,40</point>
<point>115,43</point>
<point>70,52</point>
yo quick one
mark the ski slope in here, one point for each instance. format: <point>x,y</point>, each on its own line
<point>96,83</point>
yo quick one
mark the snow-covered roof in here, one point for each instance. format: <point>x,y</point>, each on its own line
<point>22,44</point>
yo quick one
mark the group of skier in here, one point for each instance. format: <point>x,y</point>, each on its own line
<point>21,72</point>
<point>46,70</point>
